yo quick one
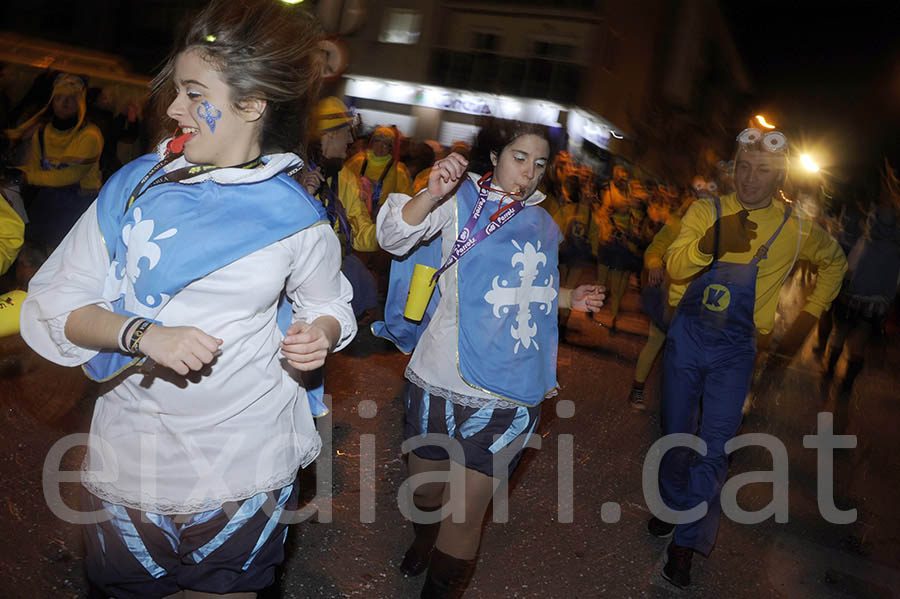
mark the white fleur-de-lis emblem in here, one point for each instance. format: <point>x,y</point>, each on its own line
<point>504,297</point>
<point>139,240</point>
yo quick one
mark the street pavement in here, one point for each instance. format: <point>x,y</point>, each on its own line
<point>591,542</point>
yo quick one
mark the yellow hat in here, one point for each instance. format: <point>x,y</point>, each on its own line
<point>332,114</point>
<point>386,132</point>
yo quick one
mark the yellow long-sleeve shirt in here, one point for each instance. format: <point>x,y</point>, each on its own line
<point>12,235</point>
<point>800,239</point>
<point>361,226</point>
<point>396,181</point>
<point>74,157</point>
<point>656,251</point>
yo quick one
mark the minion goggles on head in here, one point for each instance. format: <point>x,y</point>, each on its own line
<point>771,141</point>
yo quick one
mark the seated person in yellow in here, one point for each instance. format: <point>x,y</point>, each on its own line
<point>63,162</point>
<point>337,188</point>
<point>12,234</point>
<point>385,175</point>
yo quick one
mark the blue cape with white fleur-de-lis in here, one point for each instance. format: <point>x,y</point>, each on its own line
<point>508,297</point>
<point>395,327</point>
<point>177,233</point>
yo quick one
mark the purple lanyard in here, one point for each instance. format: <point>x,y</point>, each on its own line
<point>466,241</point>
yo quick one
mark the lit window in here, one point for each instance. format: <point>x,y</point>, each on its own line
<point>401,27</point>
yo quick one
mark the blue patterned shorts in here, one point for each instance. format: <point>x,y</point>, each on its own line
<point>136,555</point>
<point>483,439</point>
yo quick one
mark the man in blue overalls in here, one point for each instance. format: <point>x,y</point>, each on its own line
<point>727,266</point>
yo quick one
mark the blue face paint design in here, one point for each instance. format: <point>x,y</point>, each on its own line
<point>210,113</point>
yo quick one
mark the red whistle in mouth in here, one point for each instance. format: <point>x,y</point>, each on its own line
<point>176,144</point>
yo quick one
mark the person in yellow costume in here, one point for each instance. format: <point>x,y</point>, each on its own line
<point>613,231</point>
<point>727,266</point>
<point>384,174</point>
<point>337,187</point>
<point>63,161</point>
<point>654,296</point>
<point>570,207</point>
<point>329,180</point>
<point>12,235</point>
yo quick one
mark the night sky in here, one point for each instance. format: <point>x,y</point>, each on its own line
<point>827,73</point>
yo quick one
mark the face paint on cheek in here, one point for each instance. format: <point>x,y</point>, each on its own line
<point>210,113</point>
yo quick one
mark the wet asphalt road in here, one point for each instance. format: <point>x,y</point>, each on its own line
<point>352,547</point>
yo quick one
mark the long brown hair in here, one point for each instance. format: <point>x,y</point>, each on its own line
<point>264,49</point>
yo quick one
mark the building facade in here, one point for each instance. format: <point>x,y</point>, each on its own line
<point>656,82</point>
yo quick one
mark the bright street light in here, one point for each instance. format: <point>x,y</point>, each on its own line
<point>762,121</point>
<point>292,1</point>
<point>809,164</point>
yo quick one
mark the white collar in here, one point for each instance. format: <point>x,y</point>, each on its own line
<point>272,165</point>
<point>536,198</point>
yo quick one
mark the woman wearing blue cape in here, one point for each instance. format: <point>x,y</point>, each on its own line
<point>487,358</point>
<point>168,290</point>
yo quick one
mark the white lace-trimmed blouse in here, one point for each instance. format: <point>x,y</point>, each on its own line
<point>169,444</point>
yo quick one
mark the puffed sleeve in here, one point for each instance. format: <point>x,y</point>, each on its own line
<point>398,237</point>
<point>72,277</point>
<point>316,285</point>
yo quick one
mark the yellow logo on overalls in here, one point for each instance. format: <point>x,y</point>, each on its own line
<point>716,297</point>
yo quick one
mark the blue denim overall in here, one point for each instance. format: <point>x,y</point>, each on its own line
<point>709,357</point>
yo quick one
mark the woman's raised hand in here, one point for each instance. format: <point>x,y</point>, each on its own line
<point>588,298</point>
<point>182,349</point>
<point>445,175</point>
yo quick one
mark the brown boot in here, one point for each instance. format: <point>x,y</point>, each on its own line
<point>447,577</point>
<point>419,553</point>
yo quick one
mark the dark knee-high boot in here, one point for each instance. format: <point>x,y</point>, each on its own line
<point>419,553</point>
<point>447,577</point>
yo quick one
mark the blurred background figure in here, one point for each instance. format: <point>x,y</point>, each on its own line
<point>61,162</point>
<point>869,290</point>
<point>570,207</point>
<point>615,222</point>
<point>654,292</point>
<point>337,187</point>
<point>418,161</point>
<point>380,173</point>
<point>458,147</point>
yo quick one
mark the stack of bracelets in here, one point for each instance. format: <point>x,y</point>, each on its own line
<point>131,333</point>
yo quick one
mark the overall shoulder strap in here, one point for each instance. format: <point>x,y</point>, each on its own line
<point>717,205</point>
